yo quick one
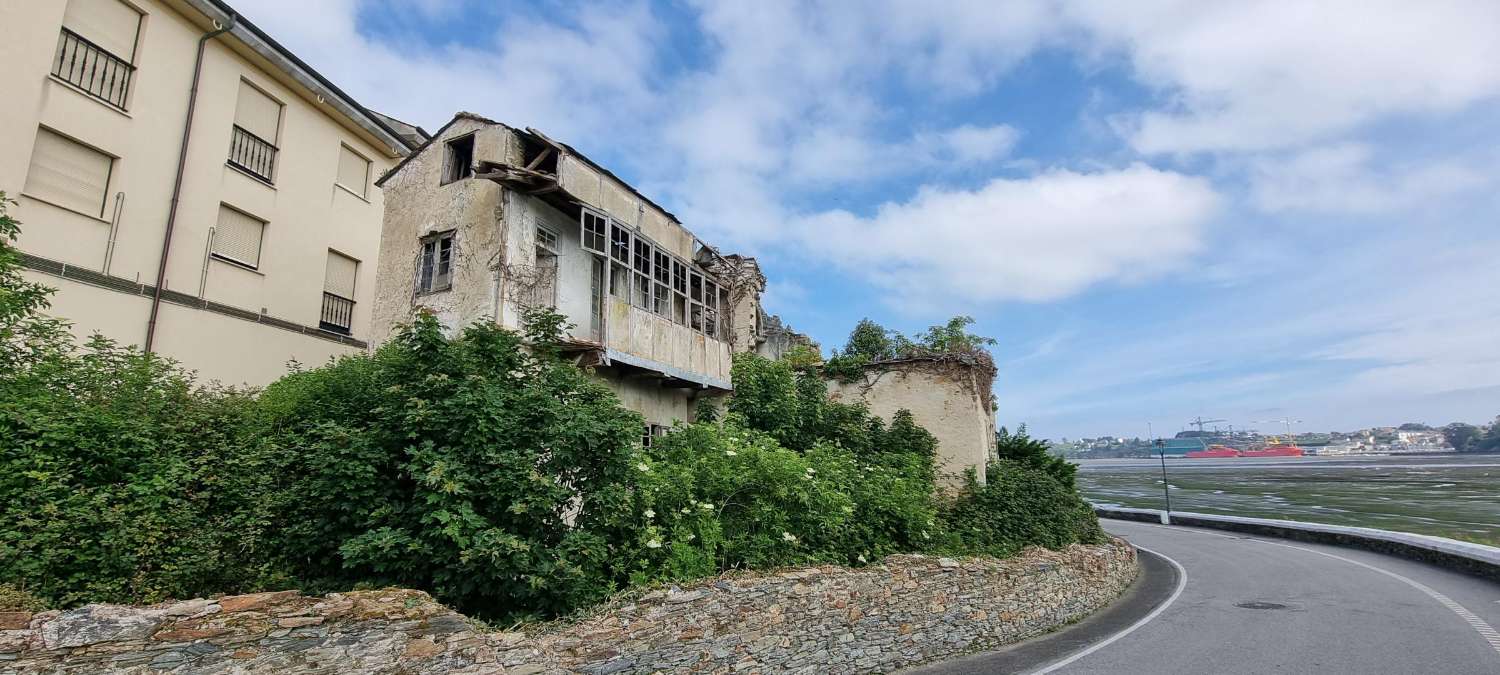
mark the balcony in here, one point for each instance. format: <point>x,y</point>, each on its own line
<point>338,314</point>
<point>89,67</point>
<point>252,154</point>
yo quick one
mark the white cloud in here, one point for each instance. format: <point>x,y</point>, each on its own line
<point>1343,178</point>
<point>575,78</point>
<point>1245,76</point>
<point>1034,239</point>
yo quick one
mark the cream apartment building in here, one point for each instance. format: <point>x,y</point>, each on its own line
<point>188,185</point>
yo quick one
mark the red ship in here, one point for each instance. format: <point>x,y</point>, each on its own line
<point>1214,451</point>
<point>1276,448</point>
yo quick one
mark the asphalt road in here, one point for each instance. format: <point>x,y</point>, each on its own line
<point>1250,604</point>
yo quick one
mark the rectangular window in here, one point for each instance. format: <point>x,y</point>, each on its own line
<point>643,292</point>
<point>338,277</point>
<point>661,270</point>
<point>338,293</point>
<point>592,233</point>
<point>435,268</point>
<point>710,309</point>
<point>68,173</point>
<point>695,301</point>
<point>619,244</point>
<point>459,159</point>
<point>96,48</point>
<point>354,171</point>
<point>546,240</point>
<point>238,237</point>
<point>679,291</point>
<point>596,298</point>
<point>110,25</point>
<point>252,141</point>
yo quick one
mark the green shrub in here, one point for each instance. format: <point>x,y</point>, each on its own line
<point>13,599</point>
<point>1019,506</point>
<point>1021,448</point>
<point>108,471</point>
<point>469,467</point>
<point>711,498</point>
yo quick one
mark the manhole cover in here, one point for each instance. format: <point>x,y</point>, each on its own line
<point>1261,605</point>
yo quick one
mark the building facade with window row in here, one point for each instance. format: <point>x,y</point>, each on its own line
<point>486,220</point>
<point>127,119</point>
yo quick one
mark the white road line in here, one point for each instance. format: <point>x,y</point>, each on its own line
<point>1181,584</point>
<point>1479,625</point>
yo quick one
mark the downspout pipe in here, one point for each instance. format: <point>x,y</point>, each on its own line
<point>187,133</point>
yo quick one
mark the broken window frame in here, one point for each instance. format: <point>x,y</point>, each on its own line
<point>710,308</point>
<point>546,240</point>
<point>593,231</point>
<point>458,158</point>
<point>641,266</point>
<point>695,301</point>
<point>435,262</point>
<point>661,271</point>
<point>679,291</point>
<point>620,240</point>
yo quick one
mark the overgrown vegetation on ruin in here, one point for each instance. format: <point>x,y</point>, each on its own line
<point>480,467</point>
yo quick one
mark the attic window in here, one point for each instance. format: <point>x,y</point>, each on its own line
<point>459,159</point>
<point>538,156</point>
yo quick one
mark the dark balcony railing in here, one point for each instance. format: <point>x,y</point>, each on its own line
<point>252,153</point>
<point>338,314</point>
<point>92,69</point>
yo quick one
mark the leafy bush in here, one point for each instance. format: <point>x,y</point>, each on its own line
<point>1021,448</point>
<point>717,497</point>
<point>1019,506</point>
<point>470,467</point>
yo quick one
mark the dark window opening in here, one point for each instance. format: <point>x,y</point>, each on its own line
<point>460,159</point>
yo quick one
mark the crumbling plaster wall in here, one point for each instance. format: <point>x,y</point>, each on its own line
<point>417,205</point>
<point>950,400</point>
<point>645,395</point>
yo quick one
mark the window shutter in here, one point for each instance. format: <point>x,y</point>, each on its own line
<point>68,173</point>
<point>111,24</point>
<point>238,236</point>
<point>354,171</point>
<point>257,113</point>
<point>339,278</point>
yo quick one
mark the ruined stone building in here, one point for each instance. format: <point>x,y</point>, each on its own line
<point>950,396</point>
<point>485,220</point>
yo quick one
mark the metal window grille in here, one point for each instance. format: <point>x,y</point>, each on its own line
<point>93,69</point>
<point>338,314</point>
<point>253,154</point>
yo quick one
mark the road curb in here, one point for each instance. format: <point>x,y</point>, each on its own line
<point>1473,559</point>
<point>1153,586</point>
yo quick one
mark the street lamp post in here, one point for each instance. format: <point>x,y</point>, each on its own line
<point>1166,494</point>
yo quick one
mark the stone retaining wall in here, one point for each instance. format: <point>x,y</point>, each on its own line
<point>906,610</point>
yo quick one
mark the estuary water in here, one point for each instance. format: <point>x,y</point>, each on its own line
<point>1449,495</point>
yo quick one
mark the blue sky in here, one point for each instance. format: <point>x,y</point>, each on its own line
<point>1162,209</point>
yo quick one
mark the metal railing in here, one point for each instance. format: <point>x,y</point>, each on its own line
<point>92,69</point>
<point>256,155</point>
<point>338,314</point>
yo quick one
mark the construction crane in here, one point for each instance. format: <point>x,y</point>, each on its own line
<point>1285,421</point>
<point>1199,422</point>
